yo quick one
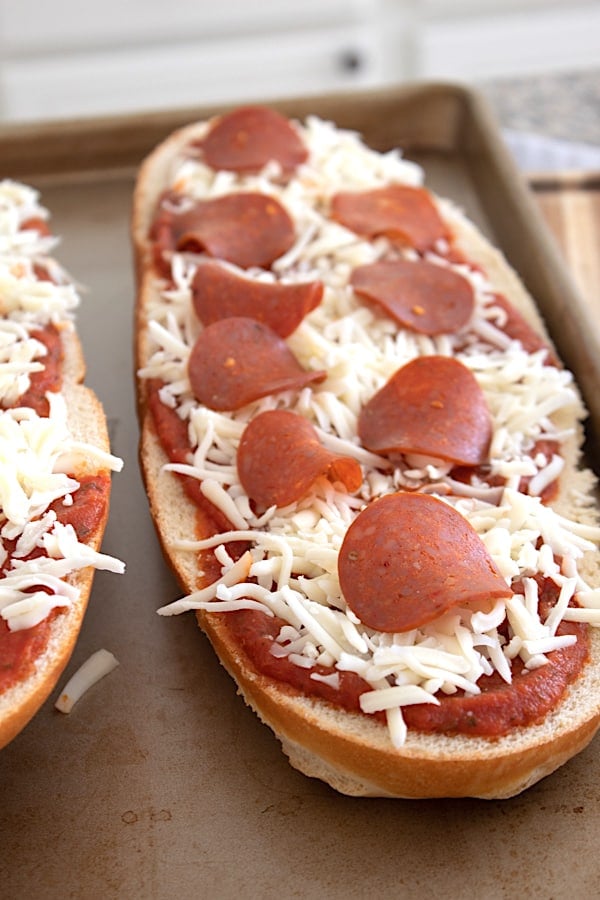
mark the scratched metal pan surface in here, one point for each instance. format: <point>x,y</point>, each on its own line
<point>161,783</point>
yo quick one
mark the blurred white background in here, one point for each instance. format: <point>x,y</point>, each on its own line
<point>72,58</point>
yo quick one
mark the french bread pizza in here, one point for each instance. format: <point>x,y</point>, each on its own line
<point>362,456</point>
<point>55,463</point>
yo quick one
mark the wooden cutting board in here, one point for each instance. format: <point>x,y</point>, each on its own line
<point>570,204</point>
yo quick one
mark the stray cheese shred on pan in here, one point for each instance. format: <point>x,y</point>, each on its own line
<point>96,667</point>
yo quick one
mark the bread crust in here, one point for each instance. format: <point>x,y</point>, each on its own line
<point>87,423</point>
<point>351,752</point>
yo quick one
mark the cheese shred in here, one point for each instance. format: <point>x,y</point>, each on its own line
<point>96,667</point>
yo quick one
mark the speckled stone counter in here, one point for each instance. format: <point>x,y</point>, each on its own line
<point>564,106</point>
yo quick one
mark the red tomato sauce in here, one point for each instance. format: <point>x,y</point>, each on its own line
<point>19,650</point>
<point>255,633</point>
<point>161,232</point>
<point>502,707</point>
<point>50,378</point>
<point>88,508</point>
<point>519,329</point>
<point>173,435</point>
<point>497,710</point>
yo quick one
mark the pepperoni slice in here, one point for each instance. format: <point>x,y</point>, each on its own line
<point>248,138</point>
<point>218,293</point>
<point>280,457</point>
<point>405,214</point>
<point>246,228</point>
<point>408,558</point>
<point>431,406</point>
<point>422,296</point>
<point>237,360</point>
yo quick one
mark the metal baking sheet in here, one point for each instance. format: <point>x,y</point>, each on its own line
<point>161,783</point>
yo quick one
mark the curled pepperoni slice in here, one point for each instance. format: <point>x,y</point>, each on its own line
<point>431,406</point>
<point>408,558</point>
<point>246,228</point>
<point>237,360</point>
<point>405,214</point>
<point>280,457</point>
<point>247,138</point>
<point>422,296</point>
<point>218,293</point>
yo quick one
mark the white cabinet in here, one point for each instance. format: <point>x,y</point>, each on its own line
<point>71,24</point>
<point>71,58</point>
<point>493,40</point>
<point>195,72</point>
